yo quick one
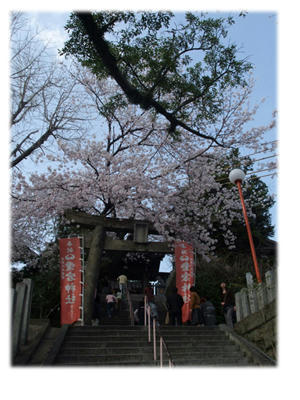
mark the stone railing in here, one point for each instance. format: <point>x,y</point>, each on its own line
<point>21,308</point>
<point>256,296</point>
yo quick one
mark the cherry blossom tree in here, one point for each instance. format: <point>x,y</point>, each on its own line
<point>130,166</point>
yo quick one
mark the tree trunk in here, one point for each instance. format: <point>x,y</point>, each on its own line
<point>92,272</point>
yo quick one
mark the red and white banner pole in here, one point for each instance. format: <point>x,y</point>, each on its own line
<point>185,274</point>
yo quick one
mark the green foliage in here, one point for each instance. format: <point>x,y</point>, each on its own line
<point>229,269</point>
<point>254,190</point>
<point>182,66</point>
<point>44,272</point>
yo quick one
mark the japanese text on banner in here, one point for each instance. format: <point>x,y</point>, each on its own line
<point>70,280</point>
<point>185,274</point>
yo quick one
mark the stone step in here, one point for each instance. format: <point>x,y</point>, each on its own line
<point>188,362</point>
<point>94,351</point>
<point>116,337</point>
<point>121,320</point>
<point>105,344</point>
<point>189,330</point>
<point>114,323</point>
<point>122,315</point>
<point>195,342</point>
<point>104,327</point>
<point>191,327</point>
<point>133,351</point>
<point>228,349</point>
<point>193,335</point>
<point>61,358</point>
<point>107,333</point>
<point>208,355</point>
<point>115,318</point>
<point>123,363</point>
<point>113,330</point>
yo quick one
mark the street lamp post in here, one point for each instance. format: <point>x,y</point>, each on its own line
<point>236,177</point>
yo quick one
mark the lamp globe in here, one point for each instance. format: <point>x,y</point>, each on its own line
<point>236,175</point>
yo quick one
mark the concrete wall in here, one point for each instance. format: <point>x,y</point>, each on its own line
<point>261,329</point>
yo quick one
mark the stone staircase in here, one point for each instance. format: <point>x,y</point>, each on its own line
<point>110,345</point>
<point>116,343</point>
<point>202,346</point>
<point>113,343</point>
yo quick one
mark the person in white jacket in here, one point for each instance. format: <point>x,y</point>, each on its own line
<point>122,279</point>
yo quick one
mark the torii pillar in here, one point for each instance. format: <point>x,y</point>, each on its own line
<point>92,271</point>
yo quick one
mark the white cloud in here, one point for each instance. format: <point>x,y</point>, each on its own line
<point>53,37</point>
<point>50,28</point>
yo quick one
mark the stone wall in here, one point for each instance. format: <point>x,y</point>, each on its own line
<point>260,328</point>
<point>256,296</point>
<point>20,312</point>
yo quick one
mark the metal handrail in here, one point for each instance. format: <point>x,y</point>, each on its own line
<point>161,340</point>
<point>161,344</point>
<point>130,307</point>
<point>145,310</point>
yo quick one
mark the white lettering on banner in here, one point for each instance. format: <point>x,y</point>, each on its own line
<point>185,267</point>
<point>70,266</point>
<point>70,299</point>
<point>185,277</point>
<point>185,287</point>
<point>184,258</point>
<point>71,287</point>
<point>70,276</point>
<point>70,257</point>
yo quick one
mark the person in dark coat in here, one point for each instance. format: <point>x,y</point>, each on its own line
<point>139,314</point>
<point>228,304</point>
<point>208,312</point>
<point>97,309</point>
<point>174,304</point>
<point>149,293</point>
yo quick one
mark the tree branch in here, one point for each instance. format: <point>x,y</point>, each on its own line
<point>145,101</point>
<point>31,149</point>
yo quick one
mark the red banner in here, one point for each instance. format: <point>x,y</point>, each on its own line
<point>185,274</point>
<point>70,280</point>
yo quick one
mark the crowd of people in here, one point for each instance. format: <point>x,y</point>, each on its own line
<point>202,312</point>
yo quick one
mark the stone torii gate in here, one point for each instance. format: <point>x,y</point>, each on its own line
<point>93,229</point>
